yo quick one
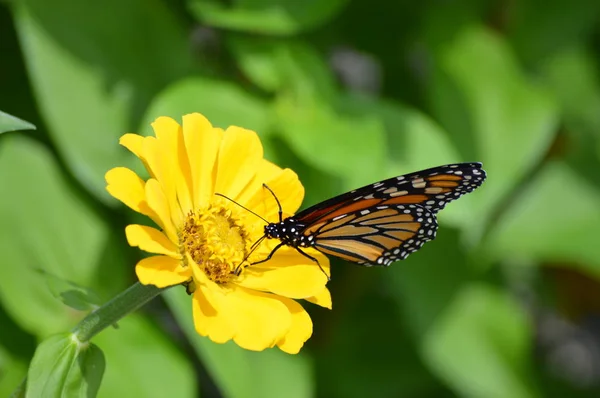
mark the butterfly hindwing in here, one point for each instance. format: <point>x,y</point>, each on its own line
<point>378,235</point>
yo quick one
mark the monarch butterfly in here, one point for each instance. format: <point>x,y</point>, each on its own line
<point>379,223</point>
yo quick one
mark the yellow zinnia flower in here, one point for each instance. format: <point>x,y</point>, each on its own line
<point>204,237</point>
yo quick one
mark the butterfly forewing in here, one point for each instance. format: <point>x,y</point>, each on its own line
<point>432,188</point>
<point>376,236</point>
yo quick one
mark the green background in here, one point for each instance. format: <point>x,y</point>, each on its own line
<point>504,303</point>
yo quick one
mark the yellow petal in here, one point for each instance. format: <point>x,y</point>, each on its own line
<point>151,240</point>
<point>323,299</point>
<point>295,281</point>
<point>209,318</point>
<point>202,143</point>
<point>169,137</point>
<point>164,126</point>
<point>254,320</point>
<point>258,319</point>
<point>126,186</point>
<point>159,205</point>
<point>134,143</point>
<point>240,155</point>
<point>161,162</point>
<point>161,271</point>
<point>299,332</point>
<point>285,185</point>
<point>287,256</point>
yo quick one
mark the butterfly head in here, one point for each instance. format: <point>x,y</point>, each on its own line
<point>272,230</point>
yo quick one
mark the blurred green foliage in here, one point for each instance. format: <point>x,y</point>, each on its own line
<point>505,302</point>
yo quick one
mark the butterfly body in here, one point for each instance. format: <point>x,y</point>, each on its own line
<point>289,232</point>
<point>379,223</point>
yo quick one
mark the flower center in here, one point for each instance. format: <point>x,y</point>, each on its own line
<point>215,240</point>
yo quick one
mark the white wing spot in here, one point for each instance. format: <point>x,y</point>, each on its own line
<point>399,193</point>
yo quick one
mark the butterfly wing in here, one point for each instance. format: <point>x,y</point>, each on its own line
<point>431,188</point>
<point>375,236</point>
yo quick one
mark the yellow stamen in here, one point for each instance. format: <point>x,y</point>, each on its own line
<point>215,240</point>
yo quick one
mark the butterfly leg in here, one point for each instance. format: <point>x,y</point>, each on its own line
<point>315,260</point>
<point>270,254</point>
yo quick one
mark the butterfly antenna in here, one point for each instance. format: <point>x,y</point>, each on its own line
<point>243,207</point>
<point>276,200</point>
<point>252,249</point>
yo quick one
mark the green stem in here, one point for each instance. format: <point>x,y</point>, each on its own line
<point>124,303</point>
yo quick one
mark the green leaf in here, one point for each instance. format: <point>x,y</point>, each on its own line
<point>223,103</point>
<point>119,48</point>
<point>20,390</point>
<point>11,123</point>
<point>142,362</point>
<point>382,357</point>
<point>86,120</point>
<point>63,367</point>
<point>319,185</point>
<point>276,17</point>
<point>258,57</point>
<point>557,219</point>
<point>15,341</point>
<point>481,97</point>
<point>46,225</point>
<point>480,345</point>
<point>71,294</point>
<point>353,145</point>
<point>92,87</point>
<point>558,25</point>
<point>572,75</point>
<point>284,65</point>
<point>267,374</point>
<point>444,266</point>
<point>453,321</point>
<point>13,372</point>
